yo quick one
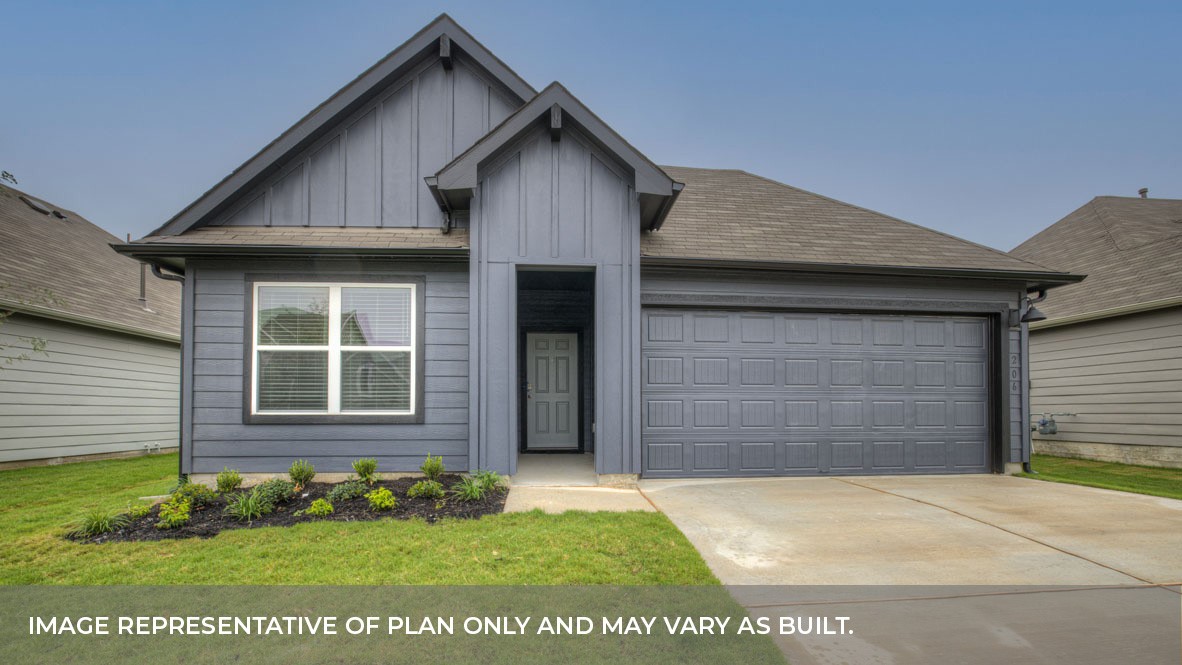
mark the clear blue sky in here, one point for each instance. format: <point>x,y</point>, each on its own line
<point>989,120</point>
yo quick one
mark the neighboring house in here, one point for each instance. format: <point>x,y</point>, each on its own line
<point>441,259</point>
<point>1110,351</point>
<point>105,383</point>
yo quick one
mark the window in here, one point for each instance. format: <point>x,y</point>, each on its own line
<point>334,349</point>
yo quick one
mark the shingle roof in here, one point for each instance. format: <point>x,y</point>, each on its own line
<point>731,214</point>
<point>72,260</point>
<point>296,236</point>
<point>1130,248</point>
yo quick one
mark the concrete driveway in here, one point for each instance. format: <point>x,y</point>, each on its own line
<point>1028,538</point>
<point>982,529</point>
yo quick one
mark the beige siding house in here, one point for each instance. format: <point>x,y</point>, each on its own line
<point>1110,352</point>
<point>89,358</point>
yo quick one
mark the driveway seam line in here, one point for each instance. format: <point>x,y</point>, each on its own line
<point>999,528</point>
<point>983,594</point>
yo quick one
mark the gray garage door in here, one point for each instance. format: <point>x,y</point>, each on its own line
<point>772,393</point>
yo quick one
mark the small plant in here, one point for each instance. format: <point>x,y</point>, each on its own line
<point>469,489</point>
<point>367,470</point>
<point>426,489</point>
<point>98,521</point>
<point>229,480</point>
<point>274,492</point>
<point>320,508</point>
<point>381,499</point>
<point>489,480</point>
<point>247,506</point>
<point>138,511</point>
<point>196,494</point>
<point>350,489</point>
<point>301,473</point>
<point>432,467</point>
<point>174,513</point>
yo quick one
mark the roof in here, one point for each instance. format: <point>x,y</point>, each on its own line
<point>64,268</point>
<point>1130,248</point>
<point>298,236</point>
<point>735,215</point>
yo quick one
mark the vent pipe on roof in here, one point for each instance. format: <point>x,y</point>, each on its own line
<point>1144,192</point>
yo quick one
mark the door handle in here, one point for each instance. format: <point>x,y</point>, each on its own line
<point>529,391</point>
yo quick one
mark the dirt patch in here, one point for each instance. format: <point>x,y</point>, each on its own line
<point>209,520</point>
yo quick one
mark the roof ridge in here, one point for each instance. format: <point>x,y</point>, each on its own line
<point>903,221</point>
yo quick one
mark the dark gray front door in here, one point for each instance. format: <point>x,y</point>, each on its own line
<point>772,393</point>
<point>552,392</point>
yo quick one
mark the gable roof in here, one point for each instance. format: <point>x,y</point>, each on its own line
<point>440,35</point>
<point>454,183</point>
<point>734,215</point>
<point>1130,248</point>
<point>71,259</point>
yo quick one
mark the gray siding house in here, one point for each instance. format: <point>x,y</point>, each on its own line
<point>1110,351</point>
<point>106,382</point>
<point>440,258</point>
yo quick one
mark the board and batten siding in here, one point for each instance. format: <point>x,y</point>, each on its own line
<point>761,290</point>
<point>93,392</point>
<point>368,170</point>
<point>219,438</point>
<point>1121,376</point>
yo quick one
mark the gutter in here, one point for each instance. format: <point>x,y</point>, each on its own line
<point>66,317</point>
<point>148,251</point>
<point>1110,312</point>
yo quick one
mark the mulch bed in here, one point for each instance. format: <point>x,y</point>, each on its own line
<point>209,520</point>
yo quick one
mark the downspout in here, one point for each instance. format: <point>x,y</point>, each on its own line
<point>180,420</point>
<point>1027,437</point>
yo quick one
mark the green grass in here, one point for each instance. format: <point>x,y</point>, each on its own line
<point>1108,475</point>
<point>38,504</point>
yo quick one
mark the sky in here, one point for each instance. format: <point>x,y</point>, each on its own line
<point>987,120</point>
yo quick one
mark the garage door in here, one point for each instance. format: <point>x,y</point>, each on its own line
<point>771,393</point>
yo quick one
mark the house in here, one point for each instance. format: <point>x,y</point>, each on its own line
<point>466,266</point>
<point>89,343</point>
<point>1110,351</point>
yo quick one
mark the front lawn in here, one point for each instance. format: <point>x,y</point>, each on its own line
<point>37,505</point>
<point>1108,475</point>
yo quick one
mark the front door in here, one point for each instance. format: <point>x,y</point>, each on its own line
<point>552,391</point>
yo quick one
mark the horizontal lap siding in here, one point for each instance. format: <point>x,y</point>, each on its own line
<point>1122,377</point>
<point>91,392</point>
<point>221,439</point>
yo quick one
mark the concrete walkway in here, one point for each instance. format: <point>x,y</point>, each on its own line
<point>556,483</point>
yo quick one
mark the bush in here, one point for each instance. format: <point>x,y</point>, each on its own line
<point>228,481</point>
<point>489,480</point>
<point>98,521</point>
<point>301,473</point>
<point>469,489</point>
<point>426,489</point>
<point>432,467</point>
<point>381,499</point>
<point>350,489</point>
<point>248,506</point>
<point>320,508</point>
<point>367,470</point>
<point>174,513</point>
<point>196,494</point>
<point>138,511</point>
<point>274,492</point>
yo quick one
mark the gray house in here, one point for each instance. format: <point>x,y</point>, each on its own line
<point>440,258</point>
<point>106,382</point>
<point>1110,351</point>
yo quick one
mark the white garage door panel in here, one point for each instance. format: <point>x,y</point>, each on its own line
<point>762,393</point>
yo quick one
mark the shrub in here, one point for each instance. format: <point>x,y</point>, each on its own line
<point>248,506</point>
<point>489,480</point>
<point>367,470</point>
<point>301,473</point>
<point>98,521</point>
<point>350,489</point>
<point>320,508</point>
<point>174,513</point>
<point>432,467</point>
<point>426,489</point>
<point>138,511</point>
<point>469,489</point>
<point>229,480</point>
<point>274,492</point>
<point>381,499</point>
<point>196,494</point>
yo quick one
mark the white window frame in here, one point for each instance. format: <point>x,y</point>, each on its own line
<point>333,348</point>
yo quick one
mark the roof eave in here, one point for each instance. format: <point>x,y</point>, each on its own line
<point>165,251</point>
<point>1111,312</point>
<point>89,322</point>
